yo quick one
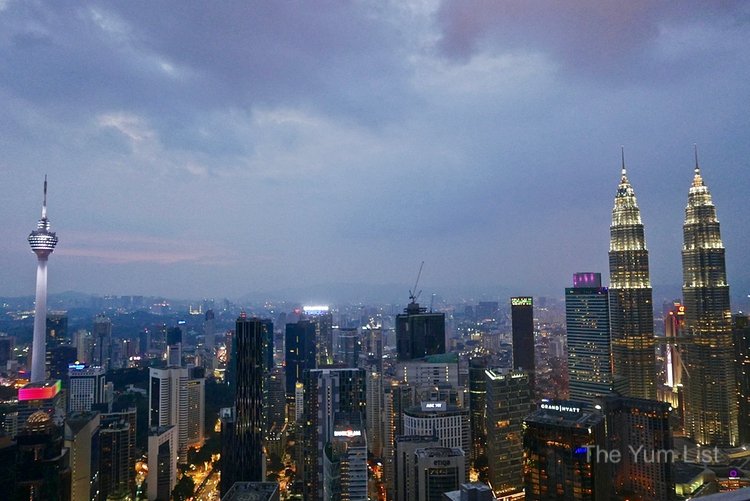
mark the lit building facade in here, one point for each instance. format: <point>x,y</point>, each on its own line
<point>557,439</point>
<point>711,410</point>
<point>450,424</point>
<point>635,424</point>
<point>85,388</point>
<point>587,325</point>
<point>630,297</point>
<point>508,404</point>
<point>328,392</point>
<point>522,324</point>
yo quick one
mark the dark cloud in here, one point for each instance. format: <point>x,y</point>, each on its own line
<point>606,39</point>
<point>257,145</point>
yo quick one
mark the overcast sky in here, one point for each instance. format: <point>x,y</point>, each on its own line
<point>201,149</point>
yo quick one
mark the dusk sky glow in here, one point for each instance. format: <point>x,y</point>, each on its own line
<point>223,149</point>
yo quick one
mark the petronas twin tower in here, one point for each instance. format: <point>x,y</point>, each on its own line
<point>710,390</point>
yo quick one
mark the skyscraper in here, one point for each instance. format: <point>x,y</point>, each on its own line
<point>244,461</point>
<point>558,439</point>
<point>635,424</point>
<point>438,470</point>
<point>522,323</point>
<point>587,321</point>
<point>82,440</point>
<point>405,460</point>
<point>168,404</point>
<point>711,409</point>
<point>742,361</point>
<point>86,388</point>
<point>117,452</point>
<point>42,463</point>
<point>102,341</point>
<point>419,333</point>
<point>300,353</point>
<point>477,406</point>
<point>322,318</point>
<point>42,243</point>
<point>673,389</point>
<point>328,392</point>
<point>630,304</point>
<point>508,403</point>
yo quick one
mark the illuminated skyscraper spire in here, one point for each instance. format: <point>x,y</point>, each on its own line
<point>710,386</point>
<point>42,243</point>
<point>631,310</point>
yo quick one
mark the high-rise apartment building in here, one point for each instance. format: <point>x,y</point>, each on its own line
<point>508,403</point>
<point>168,404</point>
<point>82,440</point>
<point>162,462</point>
<point>196,422</point>
<point>711,409</point>
<point>328,392</point>
<point>419,333</point>
<point>244,459</point>
<point>374,409</point>
<point>522,324</point>
<point>589,347</point>
<point>630,299</point>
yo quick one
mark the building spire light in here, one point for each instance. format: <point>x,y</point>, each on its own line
<point>44,203</point>
<point>622,153</point>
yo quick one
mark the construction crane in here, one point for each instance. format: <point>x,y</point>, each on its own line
<point>413,294</point>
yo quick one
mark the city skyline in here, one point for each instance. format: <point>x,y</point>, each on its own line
<point>187,153</point>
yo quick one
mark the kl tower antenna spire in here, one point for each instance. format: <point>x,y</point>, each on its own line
<point>42,242</point>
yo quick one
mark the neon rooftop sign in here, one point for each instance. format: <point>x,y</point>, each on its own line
<point>45,392</point>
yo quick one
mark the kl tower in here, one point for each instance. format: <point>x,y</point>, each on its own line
<point>42,242</point>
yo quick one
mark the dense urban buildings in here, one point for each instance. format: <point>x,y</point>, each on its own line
<point>588,338</point>
<point>711,386</point>
<point>371,404</point>
<point>630,301</point>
